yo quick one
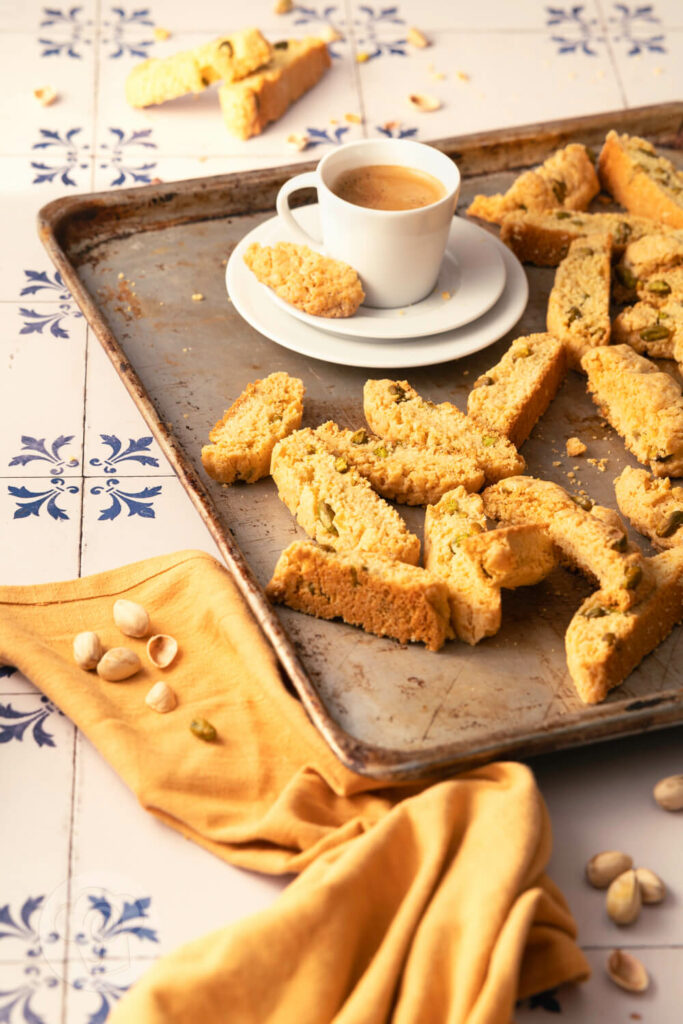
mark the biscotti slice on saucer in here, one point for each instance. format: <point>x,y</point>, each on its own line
<point>513,556</point>
<point>511,396</point>
<point>655,507</point>
<point>253,102</point>
<point>585,539</point>
<point>655,331</point>
<point>403,472</point>
<point>336,505</point>
<point>313,283</point>
<point>544,238</point>
<point>604,645</point>
<point>645,183</point>
<point>380,595</point>
<point>242,442</point>
<point>191,71</point>
<point>566,180</point>
<point>642,403</point>
<point>394,410</point>
<point>578,307</point>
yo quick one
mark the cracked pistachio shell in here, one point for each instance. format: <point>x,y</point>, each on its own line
<point>627,972</point>
<point>162,649</point>
<point>652,888</point>
<point>669,793</point>
<point>87,650</point>
<point>604,867</point>
<point>623,898</point>
<point>117,664</point>
<point>131,618</point>
<point>161,698</point>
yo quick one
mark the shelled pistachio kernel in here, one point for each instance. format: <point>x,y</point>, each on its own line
<point>669,793</point>
<point>203,730</point>
<point>623,898</point>
<point>604,867</point>
<point>627,972</point>
<point>161,698</point>
<point>131,618</point>
<point>88,650</point>
<point>118,664</point>
<point>652,888</point>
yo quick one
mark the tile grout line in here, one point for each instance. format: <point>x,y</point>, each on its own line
<point>355,65</point>
<point>610,52</point>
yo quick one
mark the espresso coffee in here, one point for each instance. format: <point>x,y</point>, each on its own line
<point>388,187</point>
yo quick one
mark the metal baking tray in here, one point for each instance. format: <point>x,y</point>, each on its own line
<point>386,709</point>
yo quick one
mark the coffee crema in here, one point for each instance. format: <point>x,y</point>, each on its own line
<point>388,187</point>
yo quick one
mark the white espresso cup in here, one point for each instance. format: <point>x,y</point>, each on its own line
<point>396,253</point>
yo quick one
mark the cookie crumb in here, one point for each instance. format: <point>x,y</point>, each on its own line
<point>46,95</point>
<point>353,118</point>
<point>160,34</point>
<point>463,76</point>
<point>298,141</point>
<point>557,463</point>
<point>445,296</point>
<point>283,7</point>
<point>575,447</point>
<point>197,297</point>
<point>423,102</point>
<point>330,35</point>
<point>417,38</point>
<point>121,275</point>
<point>362,56</point>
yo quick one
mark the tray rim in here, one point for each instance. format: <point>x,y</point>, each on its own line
<point>476,153</point>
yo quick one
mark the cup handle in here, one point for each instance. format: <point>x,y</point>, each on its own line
<point>307,180</point>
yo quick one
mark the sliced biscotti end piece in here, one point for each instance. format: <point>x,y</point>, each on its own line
<point>604,644</point>
<point>644,182</point>
<point>655,507</point>
<point>474,598</point>
<point>578,307</point>
<point>544,238</point>
<point>641,402</point>
<point>511,396</point>
<point>567,180</point>
<point>242,442</point>
<point>403,472</point>
<point>233,57</point>
<point>252,103</point>
<point>384,597</point>
<point>655,331</point>
<point>313,283</point>
<point>513,556</point>
<point>336,505</point>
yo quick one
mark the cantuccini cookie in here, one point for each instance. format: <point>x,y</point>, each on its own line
<point>566,180</point>
<point>544,238</point>
<point>578,307</point>
<point>655,507</point>
<point>652,330</point>
<point>227,58</point>
<point>513,556</point>
<point>604,644</point>
<point>242,442</point>
<point>641,402</point>
<point>316,284</point>
<point>644,182</point>
<point>660,287</point>
<point>511,396</point>
<point>253,102</point>
<point>396,411</point>
<point>380,595</point>
<point>409,474</point>
<point>584,538</point>
<point>336,505</point>
<point>649,256</point>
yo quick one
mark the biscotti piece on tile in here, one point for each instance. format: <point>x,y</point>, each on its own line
<point>586,540</point>
<point>511,396</point>
<point>566,180</point>
<point>191,71</point>
<point>655,331</point>
<point>655,507</point>
<point>513,556</point>
<point>242,442</point>
<point>316,284</point>
<point>380,595</point>
<point>336,506</point>
<point>645,183</point>
<point>394,410</point>
<point>544,238</point>
<point>409,474</point>
<point>253,102</point>
<point>578,307</point>
<point>642,403</point>
<point>604,645</point>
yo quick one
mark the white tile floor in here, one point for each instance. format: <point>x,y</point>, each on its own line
<point>83,487</point>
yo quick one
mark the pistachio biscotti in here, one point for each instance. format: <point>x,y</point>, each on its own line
<point>335,505</point>
<point>409,474</point>
<point>313,283</point>
<point>396,411</point>
<point>652,330</point>
<point>227,58</point>
<point>648,256</point>
<point>578,307</point>
<point>544,238</point>
<point>654,506</point>
<point>566,180</point>
<point>604,645</point>
<point>251,103</point>
<point>242,442</point>
<point>511,396</point>
<point>641,402</point>
<point>384,597</point>
<point>644,182</point>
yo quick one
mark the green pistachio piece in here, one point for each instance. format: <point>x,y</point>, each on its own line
<point>326,517</point>
<point>610,639</point>
<point>585,503</point>
<point>659,287</point>
<point>484,382</point>
<point>398,392</point>
<point>341,465</point>
<point>559,189</point>
<point>623,233</point>
<point>562,214</point>
<point>574,314</point>
<point>203,730</point>
<point>634,575</point>
<point>359,437</point>
<point>626,277</point>
<point>596,612</point>
<point>488,441</point>
<point>657,333</point>
<point>673,523</point>
<point>620,544</point>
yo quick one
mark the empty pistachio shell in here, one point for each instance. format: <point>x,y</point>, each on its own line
<point>117,664</point>
<point>627,971</point>
<point>669,793</point>
<point>604,867</point>
<point>623,898</point>
<point>87,650</point>
<point>161,698</point>
<point>162,649</point>
<point>652,888</point>
<point>131,618</point>
<point>421,101</point>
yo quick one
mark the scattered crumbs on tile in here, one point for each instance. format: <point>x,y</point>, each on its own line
<point>186,415</point>
<point>329,35</point>
<point>197,297</point>
<point>283,7</point>
<point>423,102</point>
<point>571,474</point>
<point>600,74</point>
<point>658,71</point>
<point>445,296</point>
<point>392,126</point>
<point>576,467</point>
<point>46,95</point>
<point>334,120</point>
<point>156,181</point>
<point>438,76</point>
<point>362,56</point>
<point>298,141</point>
<point>462,76</point>
<point>417,38</point>
<point>224,263</point>
<point>557,463</point>
<point>353,118</point>
<point>121,275</point>
<point>401,312</point>
<point>575,447</point>
<point>465,373</point>
<point>160,34</point>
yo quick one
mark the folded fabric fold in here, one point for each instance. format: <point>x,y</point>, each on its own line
<point>413,903</point>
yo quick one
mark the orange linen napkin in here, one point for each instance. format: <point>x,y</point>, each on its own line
<point>414,903</point>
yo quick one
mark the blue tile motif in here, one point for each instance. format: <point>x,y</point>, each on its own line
<point>379,31</point>
<point>31,503</point>
<point>20,999</point>
<point>137,502</point>
<point>15,723</point>
<point>333,17</point>
<point>635,27</point>
<point>39,282</point>
<point>319,136</point>
<point>120,154</point>
<point>34,449</point>
<point>107,992</point>
<point>117,29</point>
<point>6,671</point>
<point>395,130</point>
<point>68,156</point>
<point>69,33</point>
<point>136,451</point>
<point>110,923</point>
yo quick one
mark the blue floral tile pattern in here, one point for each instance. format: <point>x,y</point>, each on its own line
<point>38,283</point>
<point>395,130</point>
<point>118,29</point>
<point>316,17</point>
<point>320,136</point>
<point>578,32</point>
<point>68,155</point>
<point>136,502</point>
<point>32,503</point>
<point>34,449</point>
<point>69,33</point>
<point>379,31</point>
<point>20,999</point>
<point>634,26</point>
<point>14,724</point>
<point>6,671</point>
<point>119,156</point>
<point>105,922</point>
<point>135,451</point>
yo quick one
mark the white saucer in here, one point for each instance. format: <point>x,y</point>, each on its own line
<point>248,299</point>
<point>472,273</point>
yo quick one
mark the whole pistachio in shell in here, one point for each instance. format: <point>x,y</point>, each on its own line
<point>162,649</point>
<point>604,867</point>
<point>117,664</point>
<point>88,650</point>
<point>669,793</point>
<point>623,898</point>
<point>131,618</point>
<point>627,972</point>
<point>161,698</point>
<point>652,888</point>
